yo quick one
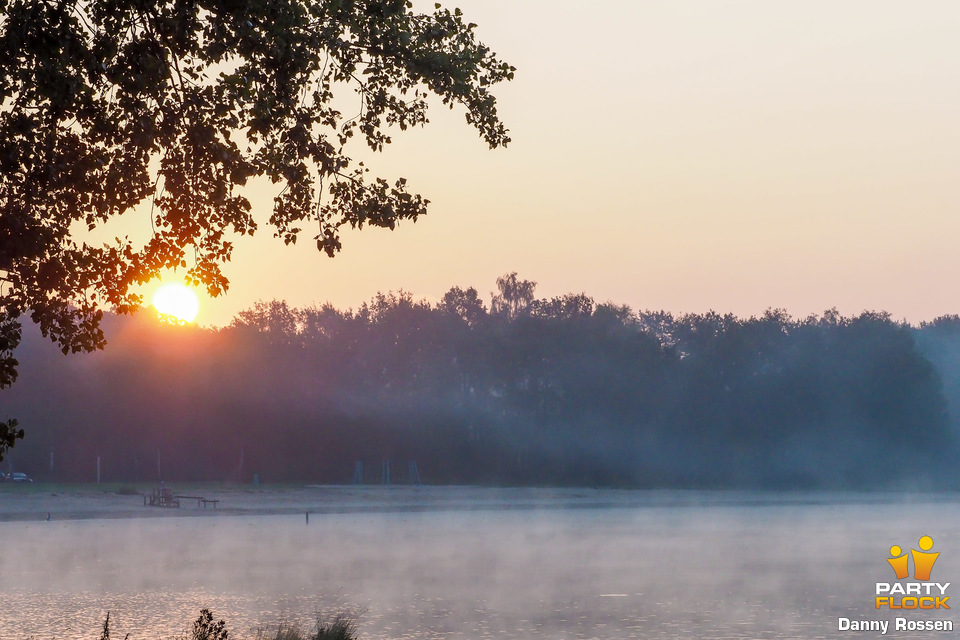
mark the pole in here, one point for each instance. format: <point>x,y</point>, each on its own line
<point>98,469</point>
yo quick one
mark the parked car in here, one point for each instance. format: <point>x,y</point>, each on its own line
<point>15,476</point>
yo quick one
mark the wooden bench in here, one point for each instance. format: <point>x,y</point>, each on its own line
<point>201,500</point>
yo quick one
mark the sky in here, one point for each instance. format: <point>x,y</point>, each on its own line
<point>683,156</point>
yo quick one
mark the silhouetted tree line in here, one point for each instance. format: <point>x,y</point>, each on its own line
<point>526,391</point>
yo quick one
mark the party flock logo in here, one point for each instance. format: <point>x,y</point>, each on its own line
<point>922,594</point>
<point>905,595</point>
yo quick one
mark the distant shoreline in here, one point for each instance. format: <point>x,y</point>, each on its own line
<point>90,501</point>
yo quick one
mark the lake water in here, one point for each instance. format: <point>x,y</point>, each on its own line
<point>704,565</point>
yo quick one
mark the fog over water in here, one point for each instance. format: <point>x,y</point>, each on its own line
<point>657,565</point>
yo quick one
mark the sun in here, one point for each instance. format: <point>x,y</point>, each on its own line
<point>176,301</point>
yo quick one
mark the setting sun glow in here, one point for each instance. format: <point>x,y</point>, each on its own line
<point>177,301</point>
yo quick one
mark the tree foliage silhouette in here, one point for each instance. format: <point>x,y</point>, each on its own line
<point>569,392</point>
<point>175,105</point>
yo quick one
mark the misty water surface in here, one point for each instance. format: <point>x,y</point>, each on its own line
<point>709,567</point>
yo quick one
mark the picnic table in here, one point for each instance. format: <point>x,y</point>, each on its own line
<point>162,497</point>
<point>165,497</point>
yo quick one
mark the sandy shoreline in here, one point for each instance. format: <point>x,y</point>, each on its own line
<point>76,502</point>
<point>90,501</point>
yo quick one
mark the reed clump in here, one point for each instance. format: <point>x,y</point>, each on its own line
<point>342,626</point>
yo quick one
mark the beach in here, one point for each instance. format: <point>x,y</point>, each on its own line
<point>42,501</point>
<point>34,501</point>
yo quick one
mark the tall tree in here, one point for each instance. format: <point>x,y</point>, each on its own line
<point>515,296</point>
<point>176,104</point>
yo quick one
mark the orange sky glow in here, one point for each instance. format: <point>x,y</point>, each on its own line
<point>682,156</point>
